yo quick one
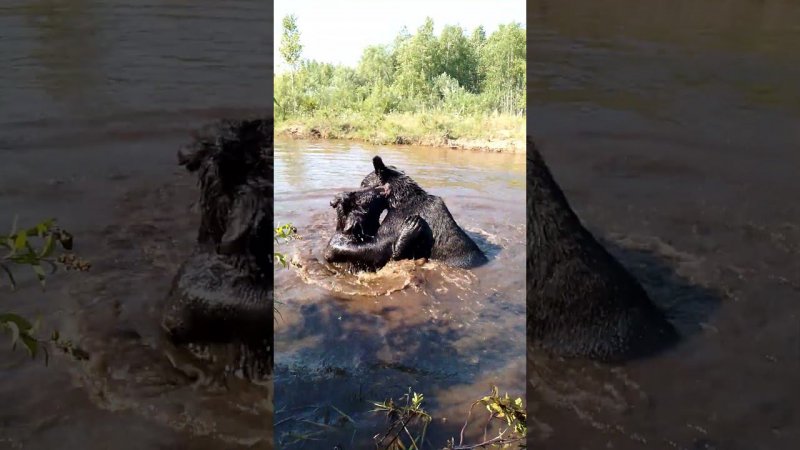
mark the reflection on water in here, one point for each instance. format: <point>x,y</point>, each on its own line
<point>66,50</point>
<point>674,128</point>
<point>345,340</point>
<point>96,96</point>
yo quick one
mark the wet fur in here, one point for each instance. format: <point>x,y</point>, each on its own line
<point>223,292</point>
<point>355,241</point>
<point>410,207</point>
<point>581,301</point>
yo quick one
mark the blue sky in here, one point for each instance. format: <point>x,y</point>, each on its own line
<point>337,31</point>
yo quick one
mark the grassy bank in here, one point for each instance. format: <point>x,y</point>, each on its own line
<point>500,133</point>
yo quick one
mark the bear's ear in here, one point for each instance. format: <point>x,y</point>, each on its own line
<point>190,157</point>
<point>380,167</point>
<point>340,198</point>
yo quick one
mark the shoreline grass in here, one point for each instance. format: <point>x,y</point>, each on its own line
<point>496,132</point>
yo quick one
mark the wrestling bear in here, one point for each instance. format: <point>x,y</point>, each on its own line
<point>581,301</point>
<point>416,222</point>
<point>223,292</point>
<point>355,240</point>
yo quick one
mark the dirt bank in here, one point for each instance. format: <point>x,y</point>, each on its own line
<point>444,140</point>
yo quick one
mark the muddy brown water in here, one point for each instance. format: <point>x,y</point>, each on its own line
<point>344,340</point>
<point>95,99</point>
<point>674,129</point>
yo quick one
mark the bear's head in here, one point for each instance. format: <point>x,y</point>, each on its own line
<point>358,212</point>
<point>233,162</point>
<point>399,187</point>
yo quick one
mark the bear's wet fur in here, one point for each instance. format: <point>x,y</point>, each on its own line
<point>581,301</point>
<point>358,212</point>
<point>355,242</point>
<point>223,292</point>
<point>411,207</point>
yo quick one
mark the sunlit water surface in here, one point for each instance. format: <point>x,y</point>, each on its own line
<point>344,340</point>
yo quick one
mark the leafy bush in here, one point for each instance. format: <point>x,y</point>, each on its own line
<point>22,250</point>
<point>408,423</point>
<point>284,233</point>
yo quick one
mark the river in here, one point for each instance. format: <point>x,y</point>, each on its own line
<point>674,129</point>
<point>96,97</point>
<point>344,341</point>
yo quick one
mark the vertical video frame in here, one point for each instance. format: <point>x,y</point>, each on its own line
<point>400,224</point>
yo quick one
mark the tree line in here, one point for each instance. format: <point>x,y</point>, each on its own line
<point>454,72</point>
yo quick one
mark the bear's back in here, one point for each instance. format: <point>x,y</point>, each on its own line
<point>451,244</point>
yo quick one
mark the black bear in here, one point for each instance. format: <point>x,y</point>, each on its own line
<point>223,292</point>
<point>356,240</point>
<point>413,215</point>
<point>581,301</point>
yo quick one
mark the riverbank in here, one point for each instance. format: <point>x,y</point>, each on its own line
<point>494,133</point>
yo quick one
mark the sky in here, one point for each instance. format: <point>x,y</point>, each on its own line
<point>338,31</point>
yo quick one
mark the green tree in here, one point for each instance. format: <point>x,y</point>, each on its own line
<point>478,37</point>
<point>418,63</point>
<point>377,65</point>
<point>503,64</point>
<point>477,41</point>
<point>453,72</point>
<point>458,57</point>
<point>376,72</point>
<point>291,48</point>
<point>314,80</point>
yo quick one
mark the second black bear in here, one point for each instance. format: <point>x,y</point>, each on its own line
<point>223,291</point>
<point>356,239</point>
<point>581,301</point>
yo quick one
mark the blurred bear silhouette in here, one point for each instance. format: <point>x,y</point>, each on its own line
<point>581,302</point>
<point>224,291</point>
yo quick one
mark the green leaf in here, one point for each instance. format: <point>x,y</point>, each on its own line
<point>39,270</point>
<point>14,331</point>
<point>43,227</point>
<point>20,241</point>
<point>281,259</point>
<point>21,322</point>
<point>10,276</point>
<point>49,247</point>
<point>30,343</point>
